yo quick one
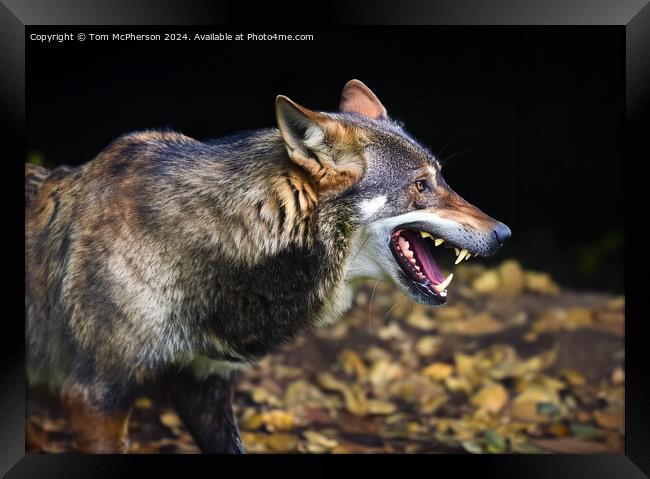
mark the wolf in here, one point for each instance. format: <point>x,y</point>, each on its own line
<point>179,261</point>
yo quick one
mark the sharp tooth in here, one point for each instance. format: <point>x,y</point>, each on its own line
<point>462,254</point>
<point>424,234</point>
<point>457,251</point>
<point>468,256</point>
<point>442,286</point>
<point>438,241</point>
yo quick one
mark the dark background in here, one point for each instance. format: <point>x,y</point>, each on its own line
<point>530,120</point>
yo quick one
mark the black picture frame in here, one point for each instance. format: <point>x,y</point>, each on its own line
<point>631,16</point>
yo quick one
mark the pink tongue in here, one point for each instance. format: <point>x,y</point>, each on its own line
<point>424,257</point>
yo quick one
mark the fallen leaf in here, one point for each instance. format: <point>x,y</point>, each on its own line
<point>319,443</point>
<point>456,384</point>
<point>261,442</point>
<point>382,372</point>
<point>486,282</point>
<point>354,396</point>
<point>170,419</point>
<point>420,319</point>
<point>438,371</point>
<point>472,446</point>
<point>302,393</point>
<point>378,407</point>
<point>427,346</point>
<point>538,402</point>
<point>491,398</point>
<point>477,325</point>
<point>609,418</point>
<point>573,377</point>
<point>392,331</point>
<point>276,420</point>
<point>540,283</point>
<point>260,395</point>
<point>352,364</point>
<point>494,441</point>
<point>512,278</point>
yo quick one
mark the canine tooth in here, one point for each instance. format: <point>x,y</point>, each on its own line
<point>461,256</point>
<point>457,251</point>
<point>442,286</point>
<point>424,234</point>
<point>468,256</point>
<point>438,241</point>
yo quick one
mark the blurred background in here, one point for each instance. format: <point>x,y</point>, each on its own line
<point>528,355</point>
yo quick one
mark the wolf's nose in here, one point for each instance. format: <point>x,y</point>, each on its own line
<point>502,233</point>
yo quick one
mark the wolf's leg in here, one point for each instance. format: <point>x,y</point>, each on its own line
<point>205,406</point>
<point>99,416</point>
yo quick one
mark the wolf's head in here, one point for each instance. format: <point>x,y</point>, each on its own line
<point>405,214</point>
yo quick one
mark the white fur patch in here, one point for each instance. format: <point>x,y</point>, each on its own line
<point>370,207</point>
<point>314,137</point>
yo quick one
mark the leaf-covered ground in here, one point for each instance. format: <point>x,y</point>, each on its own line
<point>511,364</point>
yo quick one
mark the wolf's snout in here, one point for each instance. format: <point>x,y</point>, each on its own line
<point>502,233</point>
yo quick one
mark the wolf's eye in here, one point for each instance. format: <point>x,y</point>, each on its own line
<point>421,185</point>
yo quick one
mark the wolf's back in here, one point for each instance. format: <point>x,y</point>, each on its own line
<point>34,178</point>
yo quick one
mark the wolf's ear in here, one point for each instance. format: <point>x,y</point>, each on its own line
<point>358,98</point>
<point>327,150</point>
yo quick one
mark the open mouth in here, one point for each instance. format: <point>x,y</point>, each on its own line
<point>414,251</point>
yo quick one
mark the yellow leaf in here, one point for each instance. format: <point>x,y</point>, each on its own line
<point>541,283</point>
<point>573,377</point>
<point>486,282</point>
<point>477,325</point>
<point>438,371</point>
<point>456,384</point>
<point>491,398</point>
<point>170,419</point>
<point>420,319</point>
<point>351,363</point>
<point>378,407</point>
<point>278,420</point>
<point>427,345</point>
<point>384,371</point>
<point>512,277</point>
<point>301,392</point>
<point>319,442</point>
<point>354,396</point>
